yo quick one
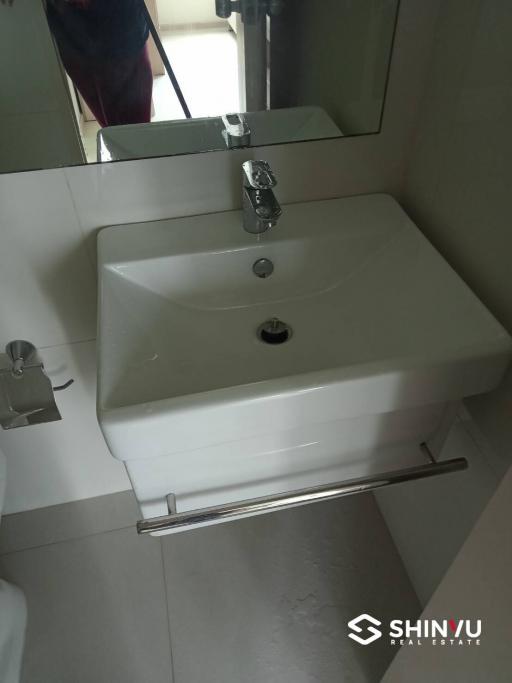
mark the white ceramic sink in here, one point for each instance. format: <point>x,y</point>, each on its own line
<point>386,337</point>
<point>164,138</point>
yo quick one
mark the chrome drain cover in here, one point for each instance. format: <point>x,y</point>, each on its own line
<point>263,267</point>
<point>274,331</point>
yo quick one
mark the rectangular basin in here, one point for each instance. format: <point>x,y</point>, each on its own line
<point>385,337</point>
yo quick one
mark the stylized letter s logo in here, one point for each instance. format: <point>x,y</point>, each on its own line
<point>354,625</point>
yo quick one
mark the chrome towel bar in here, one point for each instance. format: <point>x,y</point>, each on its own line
<point>182,521</point>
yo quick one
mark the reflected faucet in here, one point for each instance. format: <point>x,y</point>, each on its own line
<point>236,131</point>
<point>261,208</point>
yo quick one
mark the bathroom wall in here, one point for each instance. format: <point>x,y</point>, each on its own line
<point>48,224</point>
<point>37,129</point>
<point>474,588</point>
<point>457,189</point>
<point>355,57</point>
<point>459,173</point>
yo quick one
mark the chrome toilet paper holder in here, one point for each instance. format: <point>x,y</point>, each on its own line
<point>26,392</point>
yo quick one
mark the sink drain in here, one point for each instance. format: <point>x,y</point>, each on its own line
<point>263,267</point>
<point>274,331</point>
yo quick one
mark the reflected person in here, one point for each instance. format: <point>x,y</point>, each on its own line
<point>103,47</point>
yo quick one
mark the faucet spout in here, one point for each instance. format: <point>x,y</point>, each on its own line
<point>261,209</point>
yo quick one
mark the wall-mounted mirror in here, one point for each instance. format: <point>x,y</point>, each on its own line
<point>86,81</point>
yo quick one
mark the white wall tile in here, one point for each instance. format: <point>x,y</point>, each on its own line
<point>48,141</point>
<point>36,127</point>
<point>47,281</point>
<point>68,460</point>
<point>23,25</point>
<point>152,189</point>
<point>149,189</point>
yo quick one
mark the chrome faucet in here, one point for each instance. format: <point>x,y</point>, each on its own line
<point>261,208</point>
<point>236,132</point>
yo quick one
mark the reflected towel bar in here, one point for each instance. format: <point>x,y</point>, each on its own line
<point>181,521</point>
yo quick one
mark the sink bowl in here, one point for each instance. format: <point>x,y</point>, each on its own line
<point>385,337</point>
<point>164,138</point>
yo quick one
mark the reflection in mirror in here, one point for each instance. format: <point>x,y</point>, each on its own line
<point>89,80</point>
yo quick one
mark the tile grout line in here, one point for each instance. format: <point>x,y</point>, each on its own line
<point>64,540</point>
<point>81,228</point>
<point>482,447</point>
<point>78,220</point>
<point>69,343</point>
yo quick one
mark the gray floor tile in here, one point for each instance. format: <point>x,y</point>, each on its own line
<point>68,521</point>
<point>267,600</point>
<point>96,610</point>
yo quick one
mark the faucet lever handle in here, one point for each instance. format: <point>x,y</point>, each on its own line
<point>259,175</point>
<point>236,131</point>
<point>236,124</point>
